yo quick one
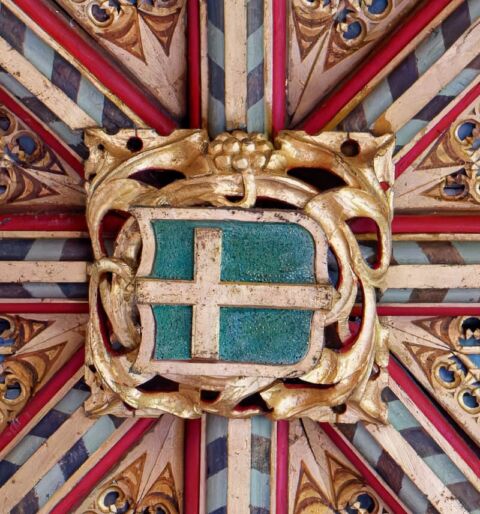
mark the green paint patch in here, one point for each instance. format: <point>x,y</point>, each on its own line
<point>251,252</point>
<point>264,336</point>
<point>173,332</point>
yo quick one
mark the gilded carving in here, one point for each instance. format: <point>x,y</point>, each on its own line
<point>347,25</point>
<point>16,331</point>
<point>30,173</point>
<point>122,493</point>
<point>458,147</point>
<point>20,376</point>
<point>348,492</point>
<point>118,21</point>
<point>147,177</point>
<point>452,368</point>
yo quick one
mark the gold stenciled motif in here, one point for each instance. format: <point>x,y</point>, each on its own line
<point>122,492</point>
<point>185,169</point>
<point>118,21</point>
<point>21,376</point>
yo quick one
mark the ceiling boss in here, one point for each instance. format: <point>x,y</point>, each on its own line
<point>235,284</point>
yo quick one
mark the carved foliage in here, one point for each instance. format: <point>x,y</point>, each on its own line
<point>347,25</point>
<point>238,170</point>
<point>122,493</point>
<point>453,368</point>
<point>30,173</point>
<point>118,21</point>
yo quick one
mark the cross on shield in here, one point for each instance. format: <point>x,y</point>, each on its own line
<point>228,292</point>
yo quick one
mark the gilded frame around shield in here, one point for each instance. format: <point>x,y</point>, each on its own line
<point>241,171</point>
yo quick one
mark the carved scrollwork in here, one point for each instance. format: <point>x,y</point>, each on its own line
<point>347,24</point>
<point>118,21</point>
<point>242,170</point>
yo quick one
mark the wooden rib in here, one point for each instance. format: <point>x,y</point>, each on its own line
<point>268,38</point>
<point>37,234</point>
<point>42,129</point>
<point>461,100</point>
<point>236,64</point>
<point>42,34</point>
<point>239,457</point>
<point>452,62</point>
<point>52,96</point>
<point>43,271</point>
<point>422,237</point>
<point>416,469</point>
<point>432,276</point>
<point>328,114</point>
<point>435,434</point>
<point>43,459</point>
<point>87,466</point>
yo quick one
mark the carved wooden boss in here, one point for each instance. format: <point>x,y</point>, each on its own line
<point>230,286</point>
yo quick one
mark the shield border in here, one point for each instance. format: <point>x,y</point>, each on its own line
<point>144,362</point>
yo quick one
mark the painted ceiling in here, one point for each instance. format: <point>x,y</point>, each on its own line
<point>407,67</point>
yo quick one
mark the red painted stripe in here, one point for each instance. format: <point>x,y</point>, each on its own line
<point>103,467</point>
<point>194,64</point>
<point>56,222</point>
<point>47,137</point>
<point>436,131</point>
<point>427,310</point>
<point>192,459</point>
<point>44,308</point>
<point>43,222</point>
<point>101,67</point>
<point>425,405</point>
<point>423,225</point>
<point>279,65</point>
<point>367,474</point>
<point>42,397</point>
<point>329,108</point>
<point>281,488</point>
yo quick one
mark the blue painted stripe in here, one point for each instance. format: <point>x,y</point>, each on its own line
<point>261,433</point>
<point>217,463</point>
<point>216,66</point>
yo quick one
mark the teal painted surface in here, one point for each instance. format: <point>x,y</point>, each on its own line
<point>251,252</point>
<point>265,336</point>
<point>173,331</point>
